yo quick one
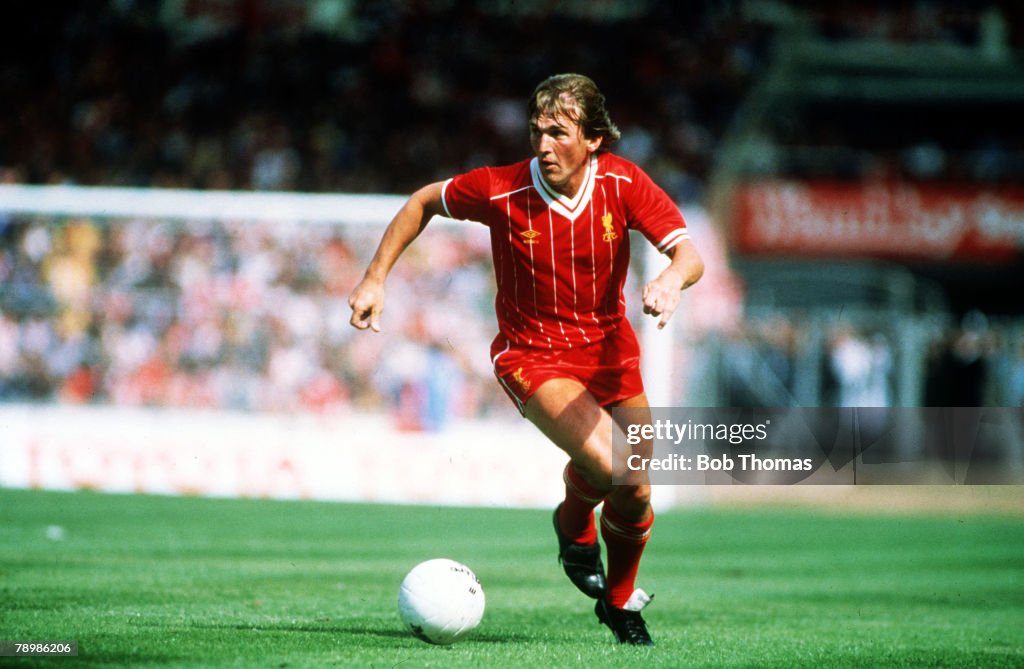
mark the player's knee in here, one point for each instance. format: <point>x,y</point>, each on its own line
<point>593,465</point>
<point>632,501</point>
<point>597,476</point>
<point>638,496</point>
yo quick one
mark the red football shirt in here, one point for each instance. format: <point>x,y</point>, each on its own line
<point>560,263</point>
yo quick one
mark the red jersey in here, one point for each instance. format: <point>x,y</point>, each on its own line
<point>560,263</point>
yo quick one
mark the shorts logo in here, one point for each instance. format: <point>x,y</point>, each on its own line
<point>609,232</point>
<point>529,236</point>
<point>518,377</point>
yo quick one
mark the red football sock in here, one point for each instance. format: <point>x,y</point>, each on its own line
<point>624,540</point>
<point>576,515</point>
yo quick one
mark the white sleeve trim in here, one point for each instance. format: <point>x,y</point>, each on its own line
<point>673,238</point>
<point>444,200</point>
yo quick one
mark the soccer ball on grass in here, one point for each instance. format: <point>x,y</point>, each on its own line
<point>441,601</point>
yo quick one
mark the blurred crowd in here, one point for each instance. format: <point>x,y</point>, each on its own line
<point>831,361</point>
<point>921,142</point>
<point>395,95</point>
<point>987,25</point>
<point>385,96</point>
<point>238,316</point>
<point>254,317</point>
<point>948,113</point>
<point>378,96</point>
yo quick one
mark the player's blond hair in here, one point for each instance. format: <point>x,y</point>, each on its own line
<point>577,97</point>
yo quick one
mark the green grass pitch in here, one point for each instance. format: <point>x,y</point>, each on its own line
<point>163,581</point>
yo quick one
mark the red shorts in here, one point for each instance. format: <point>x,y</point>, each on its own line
<point>609,369</point>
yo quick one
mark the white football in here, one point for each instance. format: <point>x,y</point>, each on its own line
<point>441,601</point>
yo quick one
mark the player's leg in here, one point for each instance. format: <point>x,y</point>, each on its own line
<point>572,419</point>
<point>575,515</point>
<point>568,415</point>
<point>626,521</point>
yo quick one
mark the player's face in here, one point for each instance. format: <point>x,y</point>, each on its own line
<point>562,151</point>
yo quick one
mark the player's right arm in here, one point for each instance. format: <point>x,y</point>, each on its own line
<point>367,298</point>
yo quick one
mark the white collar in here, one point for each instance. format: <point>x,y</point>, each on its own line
<point>566,206</point>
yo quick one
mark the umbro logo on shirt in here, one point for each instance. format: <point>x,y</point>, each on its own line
<point>529,236</point>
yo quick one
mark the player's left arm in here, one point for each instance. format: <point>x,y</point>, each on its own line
<point>661,296</point>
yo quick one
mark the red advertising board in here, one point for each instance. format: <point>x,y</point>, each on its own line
<point>886,220</point>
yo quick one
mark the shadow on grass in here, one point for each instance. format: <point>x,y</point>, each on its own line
<point>351,629</point>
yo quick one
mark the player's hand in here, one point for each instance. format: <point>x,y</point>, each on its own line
<point>367,302</point>
<point>661,296</point>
